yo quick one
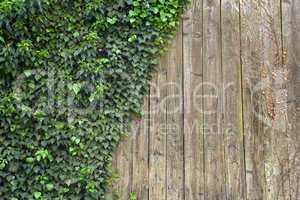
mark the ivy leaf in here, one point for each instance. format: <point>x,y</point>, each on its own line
<point>30,160</point>
<point>28,73</point>
<point>163,16</point>
<point>49,186</point>
<point>112,20</point>
<point>2,40</point>
<point>155,10</point>
<point>75,88</point>
<point>132,13</point>
<point>132,38</point>
<point>132,20</point>
<point>76,34</point>
<point>37,195</point>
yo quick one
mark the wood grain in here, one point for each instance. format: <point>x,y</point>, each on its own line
<point>291,52</point>
<point>233,118</point>
<point>157,137</point>
<point>274,90</point>
<point>174,130</point>
<point>223,110</point>
<point>193,104</point>
<point>123,164</point>
<point>212,88</point>
<point>252,62</point>
<point>141,153</point>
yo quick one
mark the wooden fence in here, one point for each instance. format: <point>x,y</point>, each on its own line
<point>222,120</point>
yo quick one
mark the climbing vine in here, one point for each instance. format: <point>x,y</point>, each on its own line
<point>73,74</point>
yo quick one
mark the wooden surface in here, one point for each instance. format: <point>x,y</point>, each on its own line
<point>222,118</point>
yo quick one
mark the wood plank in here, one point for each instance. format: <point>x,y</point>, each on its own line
<point>232,102</point>
<point>274,91</point>
<point>193,94</point>
<point>212,77</point>
<point>175,160</point>
<point>123,163</point>
<point>157,137</point>
<point>252,62</point>
<point>140,134</point>
<point>291,43</point>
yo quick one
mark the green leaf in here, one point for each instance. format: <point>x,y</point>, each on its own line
<point>2,39</point>
<point>75,88</point>
<point>155,10</point>
<point>29,160</point>
<point>112,20</point>
<point>132,13</point>
<point>76,34</point>
<point>77,141</point>
<point>49,186</point>
<point>37,195</point>
<point>132,38</point>
<point>132,196</point>
<point>28,73</point>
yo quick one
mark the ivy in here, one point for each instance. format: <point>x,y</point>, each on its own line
<point>73,74</point>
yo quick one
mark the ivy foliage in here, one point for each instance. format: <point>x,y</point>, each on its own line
<point>73,74</point>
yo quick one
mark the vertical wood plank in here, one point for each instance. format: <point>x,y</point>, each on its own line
<point>123,164</point>
<point>274,91</point>
<point>212,77</point>
<point>157,137</point>
<point>232,102</point>
<point>291,42</point>
<point>252,61</point>
<point>140,147</point>
<point>174,162</point>
<point>193,94</point>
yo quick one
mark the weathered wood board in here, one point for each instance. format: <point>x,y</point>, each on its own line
<point>222,118</point>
